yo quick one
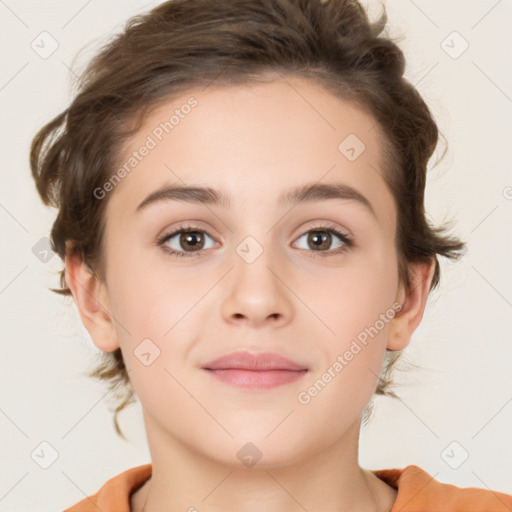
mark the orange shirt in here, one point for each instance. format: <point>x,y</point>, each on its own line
<point>417,492</point>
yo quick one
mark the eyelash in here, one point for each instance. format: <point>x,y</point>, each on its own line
<point>347,241</point>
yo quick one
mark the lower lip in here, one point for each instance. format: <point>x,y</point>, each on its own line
<point>251,379</point>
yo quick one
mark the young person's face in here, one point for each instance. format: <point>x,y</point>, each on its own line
<point>257,284</point>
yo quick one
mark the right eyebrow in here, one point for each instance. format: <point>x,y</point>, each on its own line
<point>191,194</point>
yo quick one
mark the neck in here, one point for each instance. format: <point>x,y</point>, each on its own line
<point>331,479</point>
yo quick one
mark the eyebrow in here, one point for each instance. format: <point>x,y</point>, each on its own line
<point>297,195</point>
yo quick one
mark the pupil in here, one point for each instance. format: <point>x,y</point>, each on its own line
<point>192,239</point>
<point>319,240</point>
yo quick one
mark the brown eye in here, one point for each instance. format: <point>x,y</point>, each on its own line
<point>323,239</point>
<point>319,240</point>
<point>192,239</point>
<point>186,242</point>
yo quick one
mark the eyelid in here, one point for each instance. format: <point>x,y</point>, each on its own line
<point>319,224</point>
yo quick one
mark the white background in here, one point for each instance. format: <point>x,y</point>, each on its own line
<point>463,389</point>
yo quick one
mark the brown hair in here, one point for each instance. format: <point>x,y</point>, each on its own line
<point>186,43</point>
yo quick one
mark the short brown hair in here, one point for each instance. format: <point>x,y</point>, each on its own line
<point>185,43</point>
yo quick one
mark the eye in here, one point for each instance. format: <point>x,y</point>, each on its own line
<point>185,242</point>
<point>321,239</point>
<point>190,241</point>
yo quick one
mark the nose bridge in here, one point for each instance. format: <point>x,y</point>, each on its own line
<point>256,291</point>
<point>255,251</point>
<point>254,260</point>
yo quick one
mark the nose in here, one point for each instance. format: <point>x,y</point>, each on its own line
<point>257,293</point>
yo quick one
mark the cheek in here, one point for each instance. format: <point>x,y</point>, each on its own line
<point>354,297</point>
<point>153,313</point>
<point>156,313</point>
<point>358,308</point>
<point>148,297</point>
<point>347,374</point>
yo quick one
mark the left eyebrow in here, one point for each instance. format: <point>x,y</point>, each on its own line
<point>306,193</point>
<point>324,191</point>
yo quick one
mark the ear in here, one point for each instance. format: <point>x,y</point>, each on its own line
<point>413,303</point>
<point>91,298</point>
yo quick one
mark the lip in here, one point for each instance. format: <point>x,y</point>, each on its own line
<point>248,370</point>
<point>256,361</point>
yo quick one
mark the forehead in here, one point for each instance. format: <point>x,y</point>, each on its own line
<point>255,141</point>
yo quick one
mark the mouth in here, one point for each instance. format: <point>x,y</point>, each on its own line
<point>257,379</point>
<point>255,370</point>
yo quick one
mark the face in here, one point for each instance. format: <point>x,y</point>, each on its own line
<point>309,276</point>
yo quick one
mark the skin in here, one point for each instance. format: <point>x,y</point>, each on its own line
<point>253,143</point>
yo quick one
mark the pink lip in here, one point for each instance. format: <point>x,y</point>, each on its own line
<point>253,361</point>
<point>255,371</point>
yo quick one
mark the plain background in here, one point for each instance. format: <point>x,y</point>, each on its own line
<point>462,391</point>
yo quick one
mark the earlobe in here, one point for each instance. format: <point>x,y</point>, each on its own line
<point>91,298</point>
<point>413,303</point>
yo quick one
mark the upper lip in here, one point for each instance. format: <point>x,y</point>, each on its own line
<point>259,361</point>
